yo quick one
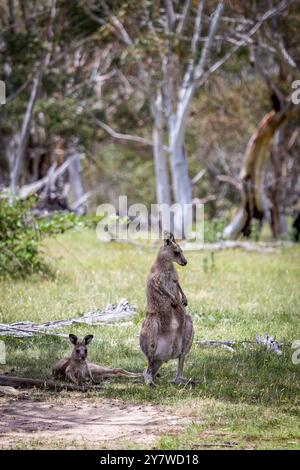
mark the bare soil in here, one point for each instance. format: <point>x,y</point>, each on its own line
<point>101,423</point>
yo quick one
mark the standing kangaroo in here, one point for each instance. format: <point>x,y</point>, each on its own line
<point>77,369</point>
<point>167,332</point>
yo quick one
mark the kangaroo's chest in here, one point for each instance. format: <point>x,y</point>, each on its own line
<point>169,280</point>
<point>81,371</point>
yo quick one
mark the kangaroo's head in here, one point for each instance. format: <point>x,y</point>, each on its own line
<point>79,352</point>
<point>171,251</point>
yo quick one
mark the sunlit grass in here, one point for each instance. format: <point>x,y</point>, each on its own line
<point>250,397</point>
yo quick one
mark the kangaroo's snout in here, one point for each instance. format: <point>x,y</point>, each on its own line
<point>183,260</point>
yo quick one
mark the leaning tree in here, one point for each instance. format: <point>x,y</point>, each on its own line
<point>274,54</point>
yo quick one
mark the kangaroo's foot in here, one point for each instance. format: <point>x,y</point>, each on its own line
<point>149,378</point>
<point>184,381</point>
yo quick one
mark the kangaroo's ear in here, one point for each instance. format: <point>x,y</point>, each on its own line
<point>169,238</point>
<point>87,339</point>
<point>73,339</point>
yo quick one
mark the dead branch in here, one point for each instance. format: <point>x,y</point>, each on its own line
<point>9,391</point>
<point>268,341</point>
<point>198,176</point>
<point>230,180</point>
<point>230,245</point>
<point>267,15</point>
<point>129,137</point>
<point>221,344</point>
<point>24,382</point>
<point>113,312</point>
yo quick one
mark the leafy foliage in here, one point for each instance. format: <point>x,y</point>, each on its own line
<point>18,238</point>
<point>213,229</point>
<point>21,234</point>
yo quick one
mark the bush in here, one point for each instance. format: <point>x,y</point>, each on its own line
<point>21,233</point>
<point>19,238</point>
<point>213,229</point>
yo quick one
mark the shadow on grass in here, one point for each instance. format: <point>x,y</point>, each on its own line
<point>253,376</point>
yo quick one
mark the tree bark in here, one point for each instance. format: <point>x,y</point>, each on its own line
<point>25,130</point>
<point>254,203</point>
<point>75,178</point>
<point>24,134</point>
<point>275,191</point>
<point>160,160</point>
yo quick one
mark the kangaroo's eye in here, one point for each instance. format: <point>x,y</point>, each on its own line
<point>78,350</point>
<point>85,350</point>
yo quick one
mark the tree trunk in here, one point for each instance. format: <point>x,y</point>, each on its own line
<point>160,161</point>
<point>24,134</point>
<point>275,191</point>
<point>181,183</point>
<point>182,186</point>
<point>75,179</point>
<point>25,130</point>
<point>255,204</point>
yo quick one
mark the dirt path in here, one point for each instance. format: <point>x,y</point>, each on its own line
<point>88,423</point>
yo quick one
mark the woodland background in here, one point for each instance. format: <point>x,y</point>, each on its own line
<point>156,100</point>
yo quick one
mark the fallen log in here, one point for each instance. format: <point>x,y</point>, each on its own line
<point>5,390</point>
<point>268,341</point>
<point>215,343</point>
<point>112,313</point>
<point>24,382</point>
<point>229,245</point>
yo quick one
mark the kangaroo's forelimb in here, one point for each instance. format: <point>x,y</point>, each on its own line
<point>159,287</point>
<point>183,296</point>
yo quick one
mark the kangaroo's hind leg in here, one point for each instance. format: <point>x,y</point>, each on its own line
<point>148,343</point>
<point>151,372</point>
<point>98,372</point>
<point>187,340</point>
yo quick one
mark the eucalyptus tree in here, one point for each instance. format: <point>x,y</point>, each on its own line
<point>170,48</point>
<point>275,56</point>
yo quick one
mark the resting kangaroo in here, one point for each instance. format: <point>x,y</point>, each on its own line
<point>77,369</point>
<point>167,332</point>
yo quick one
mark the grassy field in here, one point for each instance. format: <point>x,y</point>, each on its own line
<point>250,398</point>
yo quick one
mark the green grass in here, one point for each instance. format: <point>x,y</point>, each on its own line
<point>249,399</point>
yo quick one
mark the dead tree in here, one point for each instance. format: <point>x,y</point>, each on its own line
<point>254,202</point>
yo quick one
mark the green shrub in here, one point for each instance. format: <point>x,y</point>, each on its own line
<point>19,238</point>
<point>213,229</point>
<point>21,234</point>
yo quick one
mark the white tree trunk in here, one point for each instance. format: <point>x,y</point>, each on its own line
<point>24,134</point>
<point>25,130</point>
<point>160,160</point>
<point>181,183</point>
<point>75,179</point>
